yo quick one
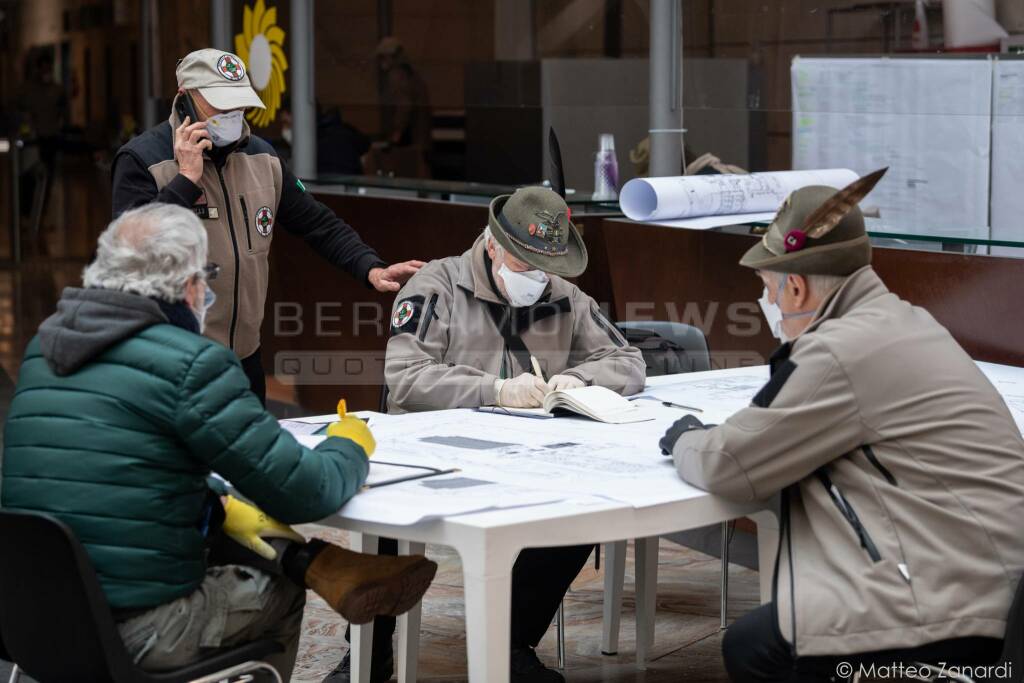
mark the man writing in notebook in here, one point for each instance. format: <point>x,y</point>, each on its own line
<point>463,332</point>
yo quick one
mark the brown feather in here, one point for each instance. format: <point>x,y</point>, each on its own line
<point>828,215</point>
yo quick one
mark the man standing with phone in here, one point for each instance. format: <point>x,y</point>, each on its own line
<point>205,158</point>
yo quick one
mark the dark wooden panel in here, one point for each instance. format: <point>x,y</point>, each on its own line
<point>693,276</point>
<point>339,348</point>
<point>641,272</point>
<point>344,323</point>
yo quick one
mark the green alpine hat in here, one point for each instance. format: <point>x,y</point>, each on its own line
<point>818,231</point>
<point>533,225</point>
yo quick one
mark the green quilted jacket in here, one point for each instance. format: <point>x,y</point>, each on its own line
<point>117,420</point>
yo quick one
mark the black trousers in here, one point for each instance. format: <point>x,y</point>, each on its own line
<point>253,367</point>
<point>540,578</point>
<point>755,651</point>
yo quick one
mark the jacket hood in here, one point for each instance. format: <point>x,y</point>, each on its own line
<point>89,321</point>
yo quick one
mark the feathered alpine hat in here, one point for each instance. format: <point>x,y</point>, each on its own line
<point>818,231</point>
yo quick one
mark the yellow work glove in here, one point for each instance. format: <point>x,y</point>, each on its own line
<point>351,427</point>
<point>248,526</point>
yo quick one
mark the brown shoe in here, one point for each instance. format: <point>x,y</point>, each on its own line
<point>360,586</point>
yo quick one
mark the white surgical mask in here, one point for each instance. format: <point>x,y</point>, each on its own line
<point>773,315</point>
<point>286,134</point>
<point>523,289</point>
<point>225,129</point>
<point>208,298</point>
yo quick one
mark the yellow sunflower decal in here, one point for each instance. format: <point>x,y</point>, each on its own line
<point>260,47</point>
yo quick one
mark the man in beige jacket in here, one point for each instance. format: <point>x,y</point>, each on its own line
<point>900,468</point>
<point>464,330</point>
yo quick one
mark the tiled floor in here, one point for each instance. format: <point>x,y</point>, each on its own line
<point>687,638</point>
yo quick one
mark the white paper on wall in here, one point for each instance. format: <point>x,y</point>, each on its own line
<point>928,120</point>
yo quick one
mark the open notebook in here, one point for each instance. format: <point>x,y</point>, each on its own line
<point>597,403</point>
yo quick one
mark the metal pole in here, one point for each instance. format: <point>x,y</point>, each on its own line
<point>666,88</point>
<point>303,90</point>
<point>220,25</point>
<point>146,62</point>
<point>724,607</point>
<point>15,151</point>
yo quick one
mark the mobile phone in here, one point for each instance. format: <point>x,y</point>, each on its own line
<point>184,106</point>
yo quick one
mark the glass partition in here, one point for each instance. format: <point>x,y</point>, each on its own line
<point>460,96</point>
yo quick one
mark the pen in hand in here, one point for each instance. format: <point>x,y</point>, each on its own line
<point>536,368</point>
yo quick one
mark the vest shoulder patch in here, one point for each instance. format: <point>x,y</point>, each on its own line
<point>406,318</point>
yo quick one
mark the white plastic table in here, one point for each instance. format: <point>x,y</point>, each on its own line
<point>489,542</point>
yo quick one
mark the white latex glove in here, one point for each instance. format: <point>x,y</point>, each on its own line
<point>561,382</point>
<point>525,391</point>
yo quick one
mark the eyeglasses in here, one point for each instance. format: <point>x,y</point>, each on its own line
<point>211,270</point>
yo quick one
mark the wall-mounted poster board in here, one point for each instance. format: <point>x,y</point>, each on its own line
<point>928,119</point>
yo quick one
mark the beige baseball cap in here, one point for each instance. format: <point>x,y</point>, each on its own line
<point>220,77</point>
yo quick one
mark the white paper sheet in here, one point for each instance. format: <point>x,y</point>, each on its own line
<point>447,496</point>
<point>568,457</point>
<point>300,428</point>
<point>1007,160</point>
<point>657,199</point>
<point>1009,382</point>
<point>708,222</point>
<point>717,394</point>
<point>927,120</point>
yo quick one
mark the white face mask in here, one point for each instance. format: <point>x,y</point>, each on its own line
<point>523,289</point>
<point>225,129</point>
<point>773,315</point>
<point>286,134</point>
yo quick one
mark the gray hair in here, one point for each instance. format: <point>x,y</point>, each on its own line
<point>152,251</point>
<point>819,285</point>
<point>497,245</point>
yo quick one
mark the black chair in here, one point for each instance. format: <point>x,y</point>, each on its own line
<point>57,626</point>
<point>689,338</point>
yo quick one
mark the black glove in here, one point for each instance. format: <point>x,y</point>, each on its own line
<point>684,424</point>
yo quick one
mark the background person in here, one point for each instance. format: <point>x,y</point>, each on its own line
<point>236,184</point>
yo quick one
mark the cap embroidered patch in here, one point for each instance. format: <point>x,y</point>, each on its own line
<point>406,317</point>
<point>230,68</point>
<point>264,220</point>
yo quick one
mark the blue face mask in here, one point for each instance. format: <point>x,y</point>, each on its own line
<point>208,299</point>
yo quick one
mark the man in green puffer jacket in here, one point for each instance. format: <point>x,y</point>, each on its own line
<point>122,411</point>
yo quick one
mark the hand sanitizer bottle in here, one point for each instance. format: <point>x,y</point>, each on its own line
<point>606,170</point>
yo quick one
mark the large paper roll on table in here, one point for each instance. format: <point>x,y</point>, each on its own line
<point>654,199</point>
